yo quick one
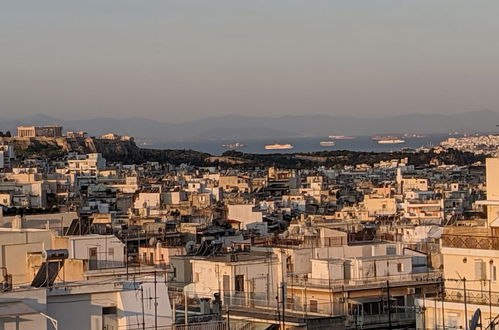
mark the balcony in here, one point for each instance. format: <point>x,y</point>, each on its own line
<point>470,242</point>
<point>382,321</point>
<point>380,281</point>
<point>478,297</point>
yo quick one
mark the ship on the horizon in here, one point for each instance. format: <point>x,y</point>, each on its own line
<point>327,143</point>
<point>277,146</point>
<point>341,137</point>
<point>391,141</point>
<point>384,137</point>
<point>236,145</point>
<point>414,136</point>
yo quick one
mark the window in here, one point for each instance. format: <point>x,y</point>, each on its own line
<point>290,301</point>
<point>314,306</point>
<point>226,285</point>
<point>399,301</point>
<point>400,267</point>
<point>493,274</point>
<point>480,270</point>
<point>110,251</point>
<point>92,256</point>
<point>391,250</point>
<point>109,310</point>
<point>196,277</point>
<point>289,265</point>
<point>239,283</point>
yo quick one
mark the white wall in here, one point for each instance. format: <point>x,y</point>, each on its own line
<point>130,306</point>
<point>324,269</point>
<point>79,246</point>
<point>84,311</point>
<point>34,298</point>
<point>243,213</point>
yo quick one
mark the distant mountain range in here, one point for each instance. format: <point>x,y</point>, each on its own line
<point>236,127</point>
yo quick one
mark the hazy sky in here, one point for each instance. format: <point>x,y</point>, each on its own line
<point>175,60</point>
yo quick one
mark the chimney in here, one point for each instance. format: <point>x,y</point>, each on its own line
<point>17,222</point>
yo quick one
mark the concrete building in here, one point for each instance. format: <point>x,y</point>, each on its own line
<point>470,261</point>
<point>93,251</point>
<point>147,199</point>
<point>7,155</point>
<point>238,277</point>
<point>235,182</point>
<point>88,305</point>
<point>380,205</point>
<point>21,251</point>
<point>86,164</point>
<point>245,213</point>
<point>159,254</point>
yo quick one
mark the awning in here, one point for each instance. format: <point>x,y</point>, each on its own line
<point>363,300</point>
<point>16,308</point>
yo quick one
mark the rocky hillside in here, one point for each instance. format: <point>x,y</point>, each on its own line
<point>128,152</point>
<point>113,150</point>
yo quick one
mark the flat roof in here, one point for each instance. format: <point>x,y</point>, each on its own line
<point>240,257</point>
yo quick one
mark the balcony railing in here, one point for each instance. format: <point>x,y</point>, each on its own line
<point>428,277</point>
<point>479,297</point>
<point>470,242</point>
<point>382,320</point>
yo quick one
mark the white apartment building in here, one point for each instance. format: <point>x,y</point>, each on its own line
<point>86,164</point>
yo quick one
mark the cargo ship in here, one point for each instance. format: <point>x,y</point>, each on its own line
<point>279,146</point>
<point>327,143</point>
<point>414,136</point>
<point>236,145</point>
<point>341,137</point>
<point>391,141</point>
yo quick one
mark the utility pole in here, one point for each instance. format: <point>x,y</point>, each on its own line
<point>126,254</point>
<point>155,303</point>
<point>186,310</point>
<point>465,305</point>
<point>277,305</point>
<point>491,262</point>
<point>142,302</point>
<point>490,300</point>
<point>442,293</point>
<point>389,304</point>
<point>283,298</point>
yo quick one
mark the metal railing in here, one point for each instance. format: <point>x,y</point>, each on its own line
<point>395,317</point>
<point>212,325</point>
<point>432,277</point>
<point>479,297</point>
<point>294,304</point>
<point>470,242</point>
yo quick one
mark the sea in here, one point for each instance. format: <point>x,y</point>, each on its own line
<point>302,144</point>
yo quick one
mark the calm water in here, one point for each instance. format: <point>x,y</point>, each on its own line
<point>308,144</point>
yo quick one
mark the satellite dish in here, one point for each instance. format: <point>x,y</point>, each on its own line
<point>153,241</point>
<point>189,247</point>
<point>476,320</point>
